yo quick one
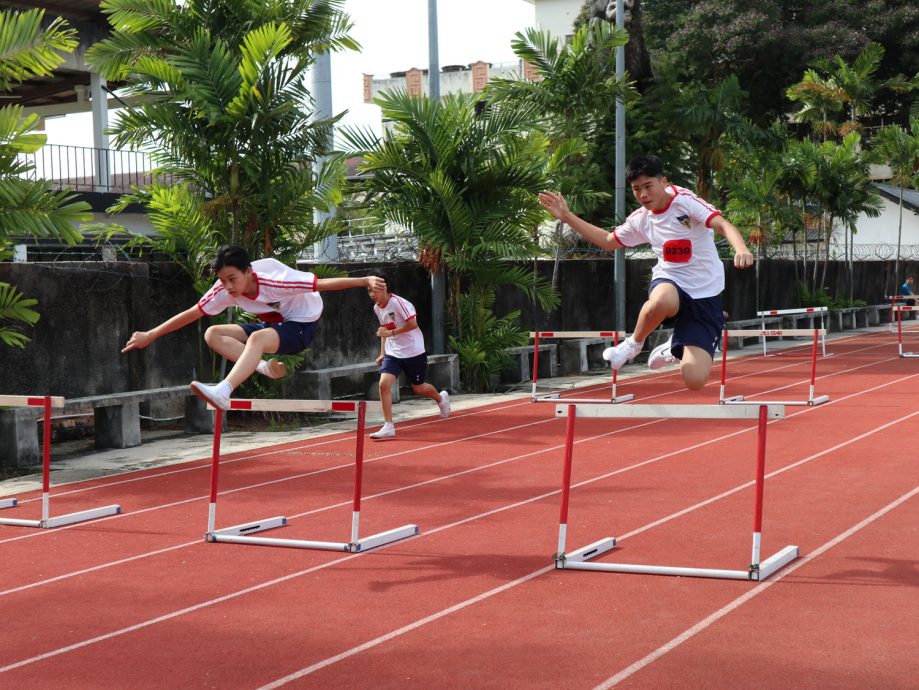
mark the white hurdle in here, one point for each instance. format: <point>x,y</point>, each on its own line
<point>899,300</point>
<point>816,311</point>
<point>555,396</point>
<point>578,559</point>
<point>239,534</point>
<point>900,308</point>
<point>47,403</point>
<point>739,399</point>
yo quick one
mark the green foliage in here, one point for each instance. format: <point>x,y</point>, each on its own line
<point>821,298</point>
<point>465,183</point>
<point>15,309</point>
<point>28,206</point>
<point>481,350</point>
<point>225,108</point>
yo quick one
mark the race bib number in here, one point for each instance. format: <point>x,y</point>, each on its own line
<point>677,251</point>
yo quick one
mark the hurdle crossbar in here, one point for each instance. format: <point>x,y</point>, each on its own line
<point>899,309</point>
<point>554,396</point>
<point>241,534</point>
<point>894,301</point>
<point>815,311</point>
<point>811,401</point>
<point>47,403</point>
<point>578,559</point>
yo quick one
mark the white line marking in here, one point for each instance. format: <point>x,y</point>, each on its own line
<point>756,591</point>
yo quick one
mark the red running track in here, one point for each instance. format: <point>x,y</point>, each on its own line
<point>140,600</point>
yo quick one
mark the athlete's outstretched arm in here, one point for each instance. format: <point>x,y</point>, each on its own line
<point>140,339</point>
<point>558,207</point>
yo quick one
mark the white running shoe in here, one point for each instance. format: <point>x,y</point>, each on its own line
<point>385,431</point>
<point>211,394</point>
<point>444,404</point>
<point>624,352</point>
<point>272,368</point>
<point>661,356</point>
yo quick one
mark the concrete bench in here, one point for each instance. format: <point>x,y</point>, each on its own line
<point>738,342</point>
<point>362,378</point>
<point>876,314</point>
<point>116,420</point>
<point>855,313</point>
<point>575,356</point>
<point>522,365</point>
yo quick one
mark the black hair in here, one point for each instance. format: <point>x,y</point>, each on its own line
<point>643,166</point>
<point>230,255</point>
<point>385,278</point>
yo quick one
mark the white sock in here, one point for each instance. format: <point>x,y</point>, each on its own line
<point>225,388</point>
<point>388,425</point>
<point>263,368</point>
<point>637,342</point>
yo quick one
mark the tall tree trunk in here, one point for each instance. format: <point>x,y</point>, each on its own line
<point>896,261</point>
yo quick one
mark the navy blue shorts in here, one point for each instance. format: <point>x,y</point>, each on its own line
<point>295,336</point>
<point>699,322</point>
<point>415,367</point>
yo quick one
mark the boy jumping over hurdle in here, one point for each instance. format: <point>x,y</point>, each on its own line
<point>401,349</point>
<point>687,281</point>
<point>286,302</point>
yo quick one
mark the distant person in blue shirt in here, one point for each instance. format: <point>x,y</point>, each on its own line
<point>906,290</point>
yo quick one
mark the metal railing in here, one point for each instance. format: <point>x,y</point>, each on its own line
<point>87,169</point>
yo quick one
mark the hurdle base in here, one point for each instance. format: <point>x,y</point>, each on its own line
<point>578,560</point>
<point>739,400</point>
<point>622,398</point>
<point>14,522</point>
<point>241,534</point>
<point>82,516</point>
<point>599,547</point>
<point>905,355</point>
<point>8,503</point>
<point>775,562</point>
<point>67,519</point>
<point>249,527</point>
<point>376,540</point>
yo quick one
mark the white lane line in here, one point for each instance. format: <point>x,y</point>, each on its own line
<point>744,598</point>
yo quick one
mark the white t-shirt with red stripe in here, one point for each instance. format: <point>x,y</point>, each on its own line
<point>282,294</point>
<point>394,315</point>
<point>683,241</point>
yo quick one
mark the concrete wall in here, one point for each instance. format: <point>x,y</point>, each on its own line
<point>90,309</point>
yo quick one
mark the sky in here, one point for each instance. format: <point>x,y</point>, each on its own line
<point>393,36</point>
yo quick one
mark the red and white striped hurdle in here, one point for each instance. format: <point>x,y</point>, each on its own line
<point>896,300</point>
<point>578,559</point>
<point>555,396</point>
<point>739,399</point>
<point>240,534</point>
<point>899,309</point>
<point>816,311</point>
<point>47,403</point>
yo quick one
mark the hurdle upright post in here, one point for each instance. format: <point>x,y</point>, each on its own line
<point>760,482</point>
<point>566,482</point>
<point>724,364</point>
<point>46,460</point>
<point>215,466</point>
<point>358,471</point>
<point>535,377</point>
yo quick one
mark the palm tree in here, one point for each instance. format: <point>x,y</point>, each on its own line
<point>821,98</point>
<point>575,87</point>
<point>224,107</point>
<point>799,166</point>
<point>844,191</point>
<point>464,179</point>
<point>898,148</point>
<point>29,206</point>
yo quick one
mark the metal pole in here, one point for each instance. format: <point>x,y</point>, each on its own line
<point>438,282</point>
<point>326,249</point>
<point>619,260</point>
